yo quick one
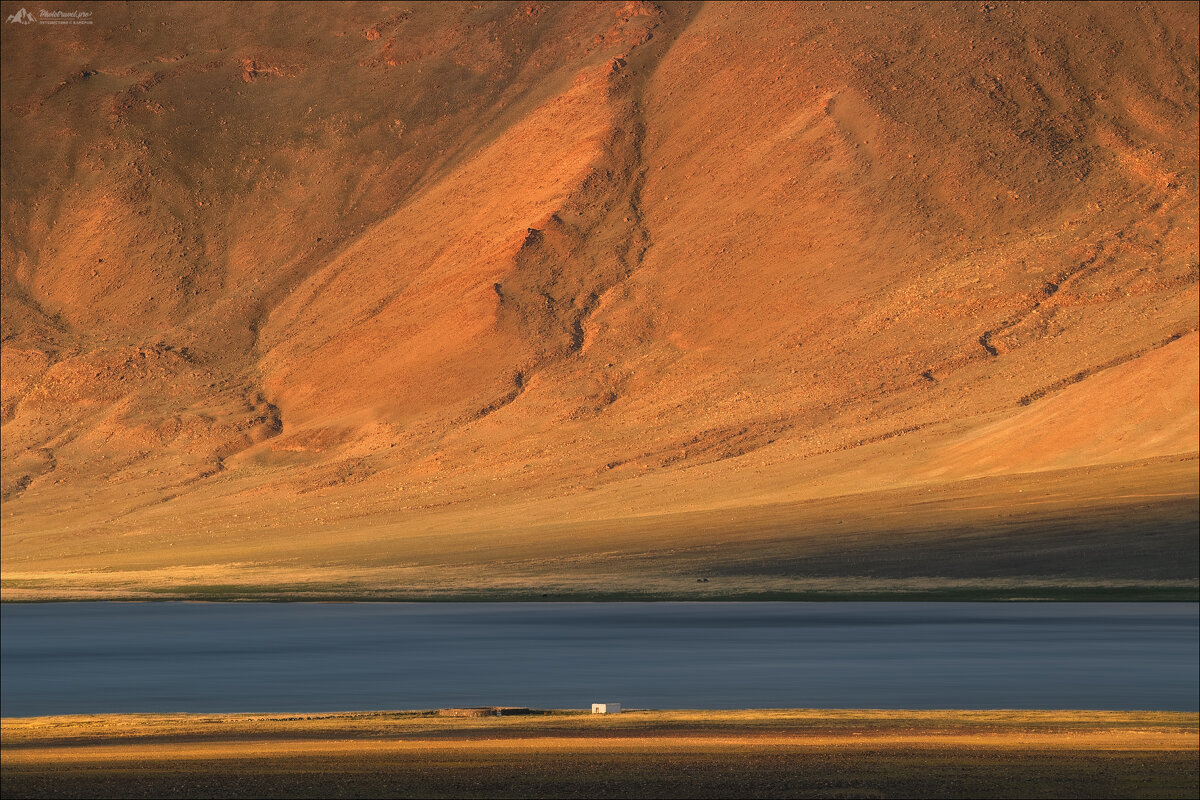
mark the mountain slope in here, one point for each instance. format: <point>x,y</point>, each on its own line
<point>298,288</point>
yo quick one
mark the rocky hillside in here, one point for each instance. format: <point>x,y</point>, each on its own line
<point>307,285</point>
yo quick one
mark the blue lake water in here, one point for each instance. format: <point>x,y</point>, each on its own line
<point>69,658</point>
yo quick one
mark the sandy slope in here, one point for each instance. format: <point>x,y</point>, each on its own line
<point>292,287</point>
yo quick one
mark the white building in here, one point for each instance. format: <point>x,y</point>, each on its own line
<point>606,708</point>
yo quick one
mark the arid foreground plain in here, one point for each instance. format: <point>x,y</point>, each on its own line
<point>1018,754</point>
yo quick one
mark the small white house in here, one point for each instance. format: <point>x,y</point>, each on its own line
<point>606,708</point>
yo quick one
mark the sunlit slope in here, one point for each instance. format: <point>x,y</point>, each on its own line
<point>276,274</point>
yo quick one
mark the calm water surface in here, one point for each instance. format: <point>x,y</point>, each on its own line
<point>67,658</point>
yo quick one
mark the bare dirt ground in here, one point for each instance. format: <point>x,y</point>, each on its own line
<point>636,754</point>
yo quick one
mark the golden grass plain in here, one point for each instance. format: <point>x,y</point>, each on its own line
<point>781,753</point>
<point>1125,531</point>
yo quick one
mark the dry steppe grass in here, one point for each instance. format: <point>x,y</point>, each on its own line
<point>787,753</point>
<point>1121,532</point>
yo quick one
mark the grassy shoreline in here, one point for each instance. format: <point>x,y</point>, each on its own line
<point>1114,533</point>
<point>762,753</point>
<point>1061,595</point>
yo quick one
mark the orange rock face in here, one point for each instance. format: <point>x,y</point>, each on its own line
<point>475,267</point>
